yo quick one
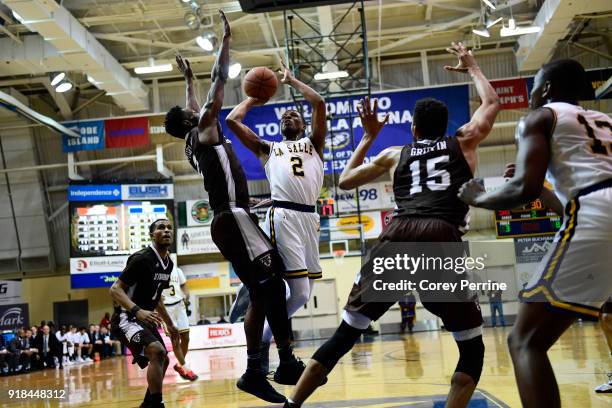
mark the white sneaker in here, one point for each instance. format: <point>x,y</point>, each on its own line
<point>88,359</point>
<point>79,360</point>
<point>606,387</point>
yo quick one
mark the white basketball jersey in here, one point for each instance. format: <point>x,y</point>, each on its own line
<point>174,293</point>
<point>581,149</point>
<point>295,171</point>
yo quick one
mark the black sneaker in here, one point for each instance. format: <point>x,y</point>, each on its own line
<point>289,372</point>
<point>152,405</point>
<point>254,382</point>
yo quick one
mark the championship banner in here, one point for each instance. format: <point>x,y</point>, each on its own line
<point>512,93</point>
<point>265,122</point>
<point>128,132</point>
<point>195,240</point>
<point>13,317</point>
<point>92,136</point>
<point>10,292</point>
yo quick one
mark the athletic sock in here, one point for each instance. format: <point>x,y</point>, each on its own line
<point>254,360</point>
<point>285,353</point>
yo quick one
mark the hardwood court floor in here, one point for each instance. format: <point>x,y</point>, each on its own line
<point>395,371</point>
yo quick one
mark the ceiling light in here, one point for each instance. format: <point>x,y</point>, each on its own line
<point>492,23</point>
<point>186,1</point>
<point>511,23</point>
<point>481,31</point>
<point>507,32</point>
<point>488,3</point>
<point>92,80</point>
<point>192,20</point>
<point>234,70</point>
<point>57,78</point>
<point>18,17</point>
<point>64,87</point>
<point>321,76</point>
<point>206,41</point>
<point>153,68</point>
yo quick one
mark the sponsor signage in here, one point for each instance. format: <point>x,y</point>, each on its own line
<point>198,213</point>
<point>101,192</point>
<point>120,192</point>
<point>14,316</point>
<point>92,136</point>
<point>217,335</point>
<point>10,291</point>
<point>531,249</point>
<point>375,196</point>
<point>147,191</point>
<point>195,240</point>
<point>348,227</point>
<point>512,93</point>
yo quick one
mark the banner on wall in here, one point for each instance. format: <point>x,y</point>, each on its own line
<point>265,122</point>
<point>373,196</point>
<point>127,132</point>
<point>512,93</point>
<point>347,227</point>
<point>92,136</point>
<point>14,316</point>
<point>10,292</point>
<point>198,212</point>
<point>531,249</point>
<point>195,240</point>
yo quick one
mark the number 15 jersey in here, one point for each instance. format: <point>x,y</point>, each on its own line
<point>427,179</point>
<point>295,171</point>
<point>581,149</point>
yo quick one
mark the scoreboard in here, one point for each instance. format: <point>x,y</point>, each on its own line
<point>529,220</point>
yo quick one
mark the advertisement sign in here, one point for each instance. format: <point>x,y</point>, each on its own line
<point>346,227</point>
<point>198,213</point>
<point>100,192</point>
<point>10,292</point>
<point>265,122</point>
<point>14,316</point>
<point>512,93</point>
<point>195,240</point>
<point>92,136</point>
<point>531,249</point>
<point>147,191</point>
<point>217,335</point>
<point>127,132</point>
<point>374,196</point>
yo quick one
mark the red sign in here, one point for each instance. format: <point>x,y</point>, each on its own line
<point>216,332</point>
<point>127,132</point>
<point>512,93</point>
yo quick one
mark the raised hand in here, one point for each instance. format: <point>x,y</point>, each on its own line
<point>465,56</point>
<point>369,118</point>
<point>184,66</point>
<point>227,31</point>
<point>470,191</point>
<point>287,74</point>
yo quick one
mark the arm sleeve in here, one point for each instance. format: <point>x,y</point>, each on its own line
<point>130,273</point>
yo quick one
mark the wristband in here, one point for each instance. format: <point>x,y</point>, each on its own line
<point>135,310</point>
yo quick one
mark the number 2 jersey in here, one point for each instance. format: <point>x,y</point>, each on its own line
<point>427,179</point>
<point>581,149</point>
<point>295,171</point>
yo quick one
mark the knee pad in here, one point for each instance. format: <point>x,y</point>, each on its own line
<point>471,356</point>
<point>338,345</point>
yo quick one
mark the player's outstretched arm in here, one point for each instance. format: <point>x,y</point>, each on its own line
<point>357,173</point>
<point>185,68</point>
<point>207,126</point>
<point>247,137</point>
<point>472,133</point>
<point>531,164</point>
<point>316,101</point>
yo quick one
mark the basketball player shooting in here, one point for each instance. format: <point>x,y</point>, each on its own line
<point>572,147</point>
<point>233,229</point>
<point>427,211</point>
<point>294,167</point>
<point>138,310</point>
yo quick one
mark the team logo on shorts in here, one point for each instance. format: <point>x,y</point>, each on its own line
<point>136,338</point>
<point>266,260</point>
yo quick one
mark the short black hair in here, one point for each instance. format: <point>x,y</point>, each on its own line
<point>152,226</point>
<point>430,118</point>
<point>569,79</point>
<point>174,122</point>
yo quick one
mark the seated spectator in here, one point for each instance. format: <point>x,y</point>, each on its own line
<point>4,357</point>
<point>74,339</point>
<point>105,320</point>
<point>92,333</point>
<point>115,343</point>
<point>84,345</point>
<point>49,348</point>
<point>203,319</point>
<point>19,348</point>
<point>30,350</point>
<point>222,319</point>
<point>103,343</point>
<point>62,337</point>
<point>34,331</point>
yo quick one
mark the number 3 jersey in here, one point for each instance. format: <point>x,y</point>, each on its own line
<point>295,171</point>
<point>427,179</point>
<point>581,149</point>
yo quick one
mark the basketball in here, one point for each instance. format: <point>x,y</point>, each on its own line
<point>260,83</point>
